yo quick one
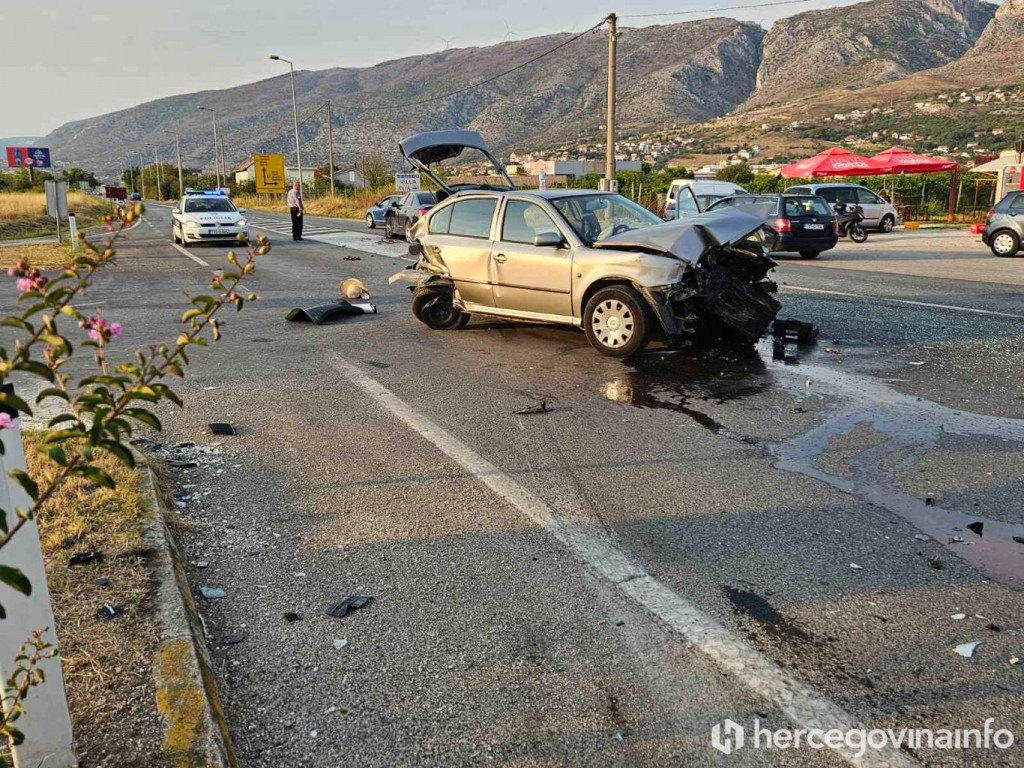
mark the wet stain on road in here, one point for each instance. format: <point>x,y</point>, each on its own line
<point>756,607</point>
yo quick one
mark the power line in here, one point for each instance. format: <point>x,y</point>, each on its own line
<point>712,10</point>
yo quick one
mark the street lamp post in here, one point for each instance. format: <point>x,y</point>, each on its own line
<point>159,180</point>
<point>295,117</point>
<point>216,143</point>
<point>131,173</point>
<point>177,149</point>
<point>142,175</point>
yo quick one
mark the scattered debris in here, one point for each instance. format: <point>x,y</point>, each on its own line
<point>922,537</point>
<point>108,612</point>
<point>86,557</point>
<point>233,639</point>
<point>993,628</point>
<point>967,649</point>
<point>918,363</point>
<point>958,616</point>
<point>936,563</point>
<point>1014,660</point>
<point>619,736</point>
<point>929,501</point>
<point>341,608</point>
<point>976,528</point>
<point>1019,539</point>
<point>221,428</point>
<point>324,313</point>
<point>202,563</point>
<point>351,258</point>
<point>354,289</point>
<point>181,463</point>
<point>339,643</point>
<point>103,581</point>
<point>803,333</point>
<point>956,539</point>
<point>213,593</point>
<point>857,567</point>
<point>541,407</point>
<point>378,364</point>
<point>312,734</point>
<point>292,616</point>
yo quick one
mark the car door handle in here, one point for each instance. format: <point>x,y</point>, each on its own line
<point>500,258</point>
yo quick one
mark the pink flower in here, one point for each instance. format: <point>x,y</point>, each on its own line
<point>95,335</point>
<point>26,284</point>
<point>115,330</point>
<point>6,422</point>
<point>12,272</point>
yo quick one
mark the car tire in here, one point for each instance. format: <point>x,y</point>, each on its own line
<point>809,254</point>
<point>433,306</point>
<point>616,321</point>
<point>174,235</point>
<point>370,222</point>
<point>389,227</point>
<point>887,224</point>
<point>1004,243</point>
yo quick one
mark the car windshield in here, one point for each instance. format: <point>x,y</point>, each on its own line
<point>599,216</point>
<point>209,205</point>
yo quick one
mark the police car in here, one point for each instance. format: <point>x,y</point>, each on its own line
<point>203,217</point>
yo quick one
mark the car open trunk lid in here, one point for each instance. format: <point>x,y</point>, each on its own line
<point>688,239</point>
<point>426,149</point>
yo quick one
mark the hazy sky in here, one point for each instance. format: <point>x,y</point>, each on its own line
<point>78,59</point>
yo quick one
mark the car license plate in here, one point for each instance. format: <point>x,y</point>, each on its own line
<point>814,226</point>
<point>220,231</point>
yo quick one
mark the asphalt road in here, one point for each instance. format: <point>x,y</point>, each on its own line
<point>677,541</point>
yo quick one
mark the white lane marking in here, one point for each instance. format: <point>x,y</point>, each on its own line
<point>184,252</point>
<point>799,702</point>
<point>904,301</point>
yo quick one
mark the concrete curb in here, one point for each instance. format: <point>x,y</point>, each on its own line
<point>195,731</point>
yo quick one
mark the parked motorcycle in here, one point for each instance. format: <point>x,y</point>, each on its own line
<point>849,219</point>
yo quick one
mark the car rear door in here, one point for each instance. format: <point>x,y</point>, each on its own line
<point>459,236</point>
<point>526,277</point>
<point>809,218</point>
<point>873,206</point>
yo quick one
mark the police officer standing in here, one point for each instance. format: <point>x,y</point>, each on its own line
<point>297,208</point>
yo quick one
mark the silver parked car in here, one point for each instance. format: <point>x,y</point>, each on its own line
<point>584,258</point>
<point>878,212</point>
<point>1004,226</point>
<point>378,212</point>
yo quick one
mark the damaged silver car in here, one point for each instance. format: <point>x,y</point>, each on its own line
<point>584,258</point>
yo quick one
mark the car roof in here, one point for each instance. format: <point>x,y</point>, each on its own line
<point>545,194</point>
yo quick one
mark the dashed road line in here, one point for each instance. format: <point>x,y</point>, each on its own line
<point>192,256</point>
<point>801,704</point>
<point>929,305</point>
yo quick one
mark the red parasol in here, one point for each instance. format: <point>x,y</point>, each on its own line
<point>835,162</point>
<point>902,160</point>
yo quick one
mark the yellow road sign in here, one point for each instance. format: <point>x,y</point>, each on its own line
<point>269,173</point>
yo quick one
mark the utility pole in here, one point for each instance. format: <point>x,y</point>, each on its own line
<point>216,143</point>
<point>610,182</point>
<point>131,174</point>
<point>159,180</point>
<point>177,149</point>
<point>295,117</point>
<point>330,147</point>
<point>142,175</point>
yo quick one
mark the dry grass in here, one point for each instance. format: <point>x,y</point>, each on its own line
<point>107,663</point>
<point>347,206</point>
<point>23,214</point>
<point>44,256</point>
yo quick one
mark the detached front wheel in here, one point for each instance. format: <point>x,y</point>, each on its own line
<point>434,306</point>
<point>616,321</point>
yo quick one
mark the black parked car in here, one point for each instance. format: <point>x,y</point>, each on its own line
<point>805,223</point>
<point>401,216</point>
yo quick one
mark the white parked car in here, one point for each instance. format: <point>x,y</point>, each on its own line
<point>204,217</point>
<point>688,197</point>
<point>878,212</point>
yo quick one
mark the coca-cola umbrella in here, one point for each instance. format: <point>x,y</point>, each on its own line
<point>834,162</point>
<point>904,161</point>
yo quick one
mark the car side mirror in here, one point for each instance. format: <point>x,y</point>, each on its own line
<point>241,210</point>
<point>176,210</point>
<point>548,240</point>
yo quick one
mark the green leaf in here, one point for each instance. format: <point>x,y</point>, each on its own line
<point>15,579</point>
<point>35,368</point>
<point>119,451</point>
<point>51,392</point>
<point>170,394</point>
<point>16,322</point>
<point>95,474</point>
<point>62,418</point>
<point>27,483</point>
<point>3,613</point>
<point>141,414</point>
<point>56,453</point>
<point>189,314</point>
<point>11,400</point>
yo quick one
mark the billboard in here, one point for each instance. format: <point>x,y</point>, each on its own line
<point>407,182</point>
<point>28,157</point>
<point>269,170</point>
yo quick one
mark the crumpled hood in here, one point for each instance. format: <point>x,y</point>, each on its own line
<point>690,238</point>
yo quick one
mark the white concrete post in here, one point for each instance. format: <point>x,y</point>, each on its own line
<point>46,722</point>
<point>73,226</point>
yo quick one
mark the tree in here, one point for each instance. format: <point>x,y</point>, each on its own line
<point>75,175</point>
<point>737,174</point>
<point>376,170</point>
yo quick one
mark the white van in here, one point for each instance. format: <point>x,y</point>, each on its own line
<point>878,212</point>
<point>687,197</point>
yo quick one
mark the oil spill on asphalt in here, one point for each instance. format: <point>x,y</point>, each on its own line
<point>753,605</point>
<point>912,427</point>
<point>676,382</point>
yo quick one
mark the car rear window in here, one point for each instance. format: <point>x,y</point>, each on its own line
<point>867,197</point>
<point>766,205</point>
<point>472,218</point>
<point>425,198</point>
<point>439,221</point>
<point>806,206</point>
<point>1018,203</point>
